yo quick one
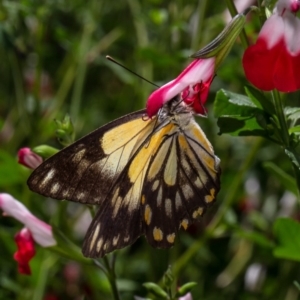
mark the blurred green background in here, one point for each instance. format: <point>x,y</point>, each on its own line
<point>53,63</point>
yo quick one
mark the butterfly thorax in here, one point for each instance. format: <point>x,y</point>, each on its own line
<point>177,112</point>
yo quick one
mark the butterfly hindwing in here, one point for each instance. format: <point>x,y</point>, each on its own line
<point>118,222</point>
<point>181,182</point>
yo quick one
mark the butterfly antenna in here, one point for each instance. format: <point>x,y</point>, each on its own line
<point>119,64</point>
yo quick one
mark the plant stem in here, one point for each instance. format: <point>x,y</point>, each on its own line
<point>201,10</point>
<point>111,277</point>
<point>281,118</point>
<point>297,178</point>
<point>229,199</point>
<point>278,104</point>
<point>232,9</point>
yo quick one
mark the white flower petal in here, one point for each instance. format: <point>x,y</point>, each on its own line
<point>13,207</point>
<point>272,31</point>
<point>201,71</point>
<point>41,231</point>
<point>292,33</point>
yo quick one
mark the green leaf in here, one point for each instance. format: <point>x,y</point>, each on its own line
<point>255,237</point>
<point>259,99</point>
<point>231,104</point>
<point>168,277</point>
<point>242,127</point>
<point>287,232</point>
<point>297,285</point>
<point>294,157</point>
<point>285,179</point>
<point>295,129</point>
<point>239,116</point>
<point>292,113</point>
<point>67,248</point>
<point>11,172</point>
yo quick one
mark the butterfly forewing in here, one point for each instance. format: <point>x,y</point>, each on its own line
<point>85,171</point>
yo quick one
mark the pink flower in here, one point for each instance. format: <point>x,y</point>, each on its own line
<point>274,61</point>
<point>34,230</point>
<point>188,296</point>
<point>192,85</point>
<point>28,158</point>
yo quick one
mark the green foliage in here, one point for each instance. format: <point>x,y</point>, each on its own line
<point>288,244</point>
<point>53,64</point>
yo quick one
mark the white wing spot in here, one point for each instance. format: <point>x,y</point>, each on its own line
<point>115,240</point>
<point>48,177</point>
<point>117,206</point>
<point>55,188</point>
<point>155,185</point>
<point>168,207</point>
<point>178,202</point>
<point>198,183</point>
<point>99,244</point>
<point>159,197</point>
<point>106,245</point>
<point>170,171</point>
<point>78,156</point>
<point>187,190</point>
<point>81,196</point>
<point>94,237</point>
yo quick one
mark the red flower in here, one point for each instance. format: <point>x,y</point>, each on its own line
<point>274,61</point>
<point>35,230</point>
<point>28,158</point>
<point>192,85</point>
<point>26,250</point>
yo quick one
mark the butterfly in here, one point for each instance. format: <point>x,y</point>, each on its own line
<point>148,176</point>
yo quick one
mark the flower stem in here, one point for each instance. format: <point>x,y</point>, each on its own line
<point>233,11</point>
<point>278,104</point>
<point>229,199</point>
<point>111,276</point>
<point>281,118</point>
<point>201,10</point>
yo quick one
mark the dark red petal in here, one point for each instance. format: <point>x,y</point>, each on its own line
<point>26,251</point>
<point>287,72</point>
<point>28,158</point>
<point>199,97</point>
<point>274,68</point>
<point>258,63</point>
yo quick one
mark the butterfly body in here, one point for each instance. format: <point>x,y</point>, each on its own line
<point>148,177</point>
